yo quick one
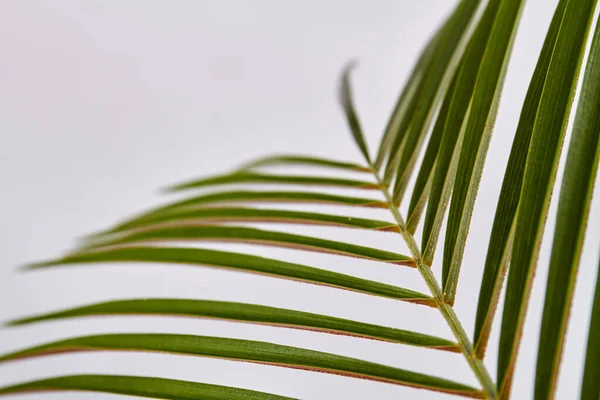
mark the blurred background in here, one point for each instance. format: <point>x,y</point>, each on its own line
<point>104,102</point>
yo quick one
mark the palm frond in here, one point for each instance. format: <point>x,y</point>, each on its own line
<point>470,107</point>
<point>248,351</point>
<point>478,130</point>
<point>242,234</point>
<point>448,45</point>
<point>401,109</point>
<point>449,49</point>
<point>449,103</point>
<point>238,262</point>
<point>397,127</point>
<point>249,313</point>
<point>500,244</point>
<point>540,173</point>
<point>422,187</point>
<point>209,215</point>
<point>571,222</point>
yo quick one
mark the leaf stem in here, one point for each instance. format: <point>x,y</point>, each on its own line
<point>446,310</point>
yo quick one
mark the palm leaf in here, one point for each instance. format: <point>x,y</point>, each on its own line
<point>435,83</point>
<point>398,125</point>
<point>246,196</point>
<point>293,159</point>
<point>249,351</point>
<point>252,313</point>
<point>571,222</point>
<point>407,97</point>
<point>456,82</point>
<point>478,131</point>
<point>253,235</point>
<point>453,130</point>
<point>500,243</point>
<point>540,172</point>
<point>254,177</point>
<point>425,175</point>
<point>209,215</point>
<point>447,46</point>
<point>239,262</point>
<point>139,386</point>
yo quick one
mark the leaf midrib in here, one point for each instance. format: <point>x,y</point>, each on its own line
<point>477,365</point>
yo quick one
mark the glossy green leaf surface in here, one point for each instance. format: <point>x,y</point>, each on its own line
<point>302,160</point>
<point>255,177</point>
<point>500,243</point>
<point>256,236</point>
<point>239,262</point>
<point>241,214</point>
<point>249,351</point>
<point>571,221</point>
<point>478,131</point>
<point>351,117</point>
<point>252,313</point>
<point>538,181</point>
<point>590,388</point>
<point>156,388</point>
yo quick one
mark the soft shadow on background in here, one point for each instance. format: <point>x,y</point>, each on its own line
<point>102,103</point>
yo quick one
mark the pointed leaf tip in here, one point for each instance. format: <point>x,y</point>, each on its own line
<point>351,116</point>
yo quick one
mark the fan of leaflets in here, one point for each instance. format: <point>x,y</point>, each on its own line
<point>446,113</point>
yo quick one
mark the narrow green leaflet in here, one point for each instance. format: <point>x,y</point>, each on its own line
<point>241,214</point>
<point>257,236</point>
<point>500,243</point>
<point>239,262</point>
<point>293,159</point>
<point>400,113</point>
<point>425,176</point>
<point>434,85</point>
<point>571,221</point>
<point>210,200</point>
<point>241,312</point>
<point>435,74</point>
<point>249,351</point>
<point>348,106</point>
<point>478,132</point>
<point>590,388</point>
<point>255,177</point>
<point>156,388</point>
<point>402,125</point>
<point>452,127</point>
<point>540,173</point>
<point>245,196</point>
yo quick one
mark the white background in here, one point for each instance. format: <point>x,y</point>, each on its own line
<point>101,103</point>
